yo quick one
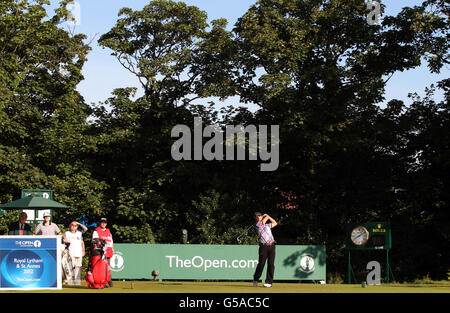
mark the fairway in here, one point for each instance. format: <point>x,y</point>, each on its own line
<point>246,287</point>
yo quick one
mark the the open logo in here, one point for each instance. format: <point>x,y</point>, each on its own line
<point>117,262</point>
<point>307,264</point>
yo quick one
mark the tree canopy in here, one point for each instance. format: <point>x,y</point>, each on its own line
<point>316,68</point>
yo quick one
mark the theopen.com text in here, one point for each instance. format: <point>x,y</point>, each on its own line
<point>205,264</point>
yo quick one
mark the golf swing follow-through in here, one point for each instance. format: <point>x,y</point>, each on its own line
<point>266,248</point>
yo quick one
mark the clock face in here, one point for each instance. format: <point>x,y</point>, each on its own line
<point>359,235</point>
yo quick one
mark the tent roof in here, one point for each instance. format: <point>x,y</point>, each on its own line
<point>33,202</point>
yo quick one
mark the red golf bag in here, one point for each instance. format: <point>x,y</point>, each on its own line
<point>98,273</point>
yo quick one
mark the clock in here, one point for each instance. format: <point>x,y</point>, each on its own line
<point>359,235</point>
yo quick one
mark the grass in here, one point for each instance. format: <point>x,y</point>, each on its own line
<point>246,287</point>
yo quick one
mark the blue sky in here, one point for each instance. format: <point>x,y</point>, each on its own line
<point>103,73</point>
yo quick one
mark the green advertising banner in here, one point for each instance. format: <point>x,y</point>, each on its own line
<point>217,262</point>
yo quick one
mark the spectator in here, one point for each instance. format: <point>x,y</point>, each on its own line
<point>20,228</point>
<point>47,228</point>
<point>76,249</point>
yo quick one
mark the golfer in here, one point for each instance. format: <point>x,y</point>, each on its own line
<point>266,248</point>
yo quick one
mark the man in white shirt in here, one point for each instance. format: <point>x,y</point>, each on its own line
<point>76,249</point>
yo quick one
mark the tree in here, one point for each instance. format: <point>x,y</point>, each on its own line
<point>421,209</point>
<point>43,128</point>
<point>317,69</point>
<point>167,46</point>
<point>169,49</point>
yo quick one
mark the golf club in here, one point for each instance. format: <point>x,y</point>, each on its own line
<point>244,233</point>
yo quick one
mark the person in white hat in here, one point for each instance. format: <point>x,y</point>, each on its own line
<point>47,228</point>
<point>76,249</point>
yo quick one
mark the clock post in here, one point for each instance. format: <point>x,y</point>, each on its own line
<point>368,236</point>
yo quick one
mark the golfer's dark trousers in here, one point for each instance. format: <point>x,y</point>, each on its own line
<point>265,253</point>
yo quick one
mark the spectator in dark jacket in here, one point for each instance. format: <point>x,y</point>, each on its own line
<point>21,227</point>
